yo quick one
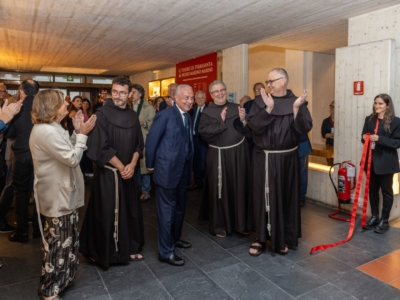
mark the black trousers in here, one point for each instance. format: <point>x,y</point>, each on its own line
<point>23,185</point>
<point>384,183</point>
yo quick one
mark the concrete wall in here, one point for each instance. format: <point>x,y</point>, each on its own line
<point>235,70</point>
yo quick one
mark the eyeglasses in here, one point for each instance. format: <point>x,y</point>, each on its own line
<point>217,92</point>
<point>272,81</point>
<point>120,93</point>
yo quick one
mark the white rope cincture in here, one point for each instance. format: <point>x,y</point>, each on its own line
<point>116,210</point>
<point>267,206</point>
<point>220,165</point>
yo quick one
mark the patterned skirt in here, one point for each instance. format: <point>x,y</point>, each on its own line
<point>60,255</point>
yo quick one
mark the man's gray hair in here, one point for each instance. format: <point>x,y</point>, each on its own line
<point>200,92</point>
<point>171,84</point>
<point>182,86</point>
<point>215,82</point>
<point>282,72</point>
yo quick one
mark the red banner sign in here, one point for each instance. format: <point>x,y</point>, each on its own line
<point>198,72</point>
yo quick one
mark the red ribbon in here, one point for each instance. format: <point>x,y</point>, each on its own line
<point>367,147</point>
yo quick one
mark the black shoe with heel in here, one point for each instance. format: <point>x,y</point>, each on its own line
<point>372,223</point>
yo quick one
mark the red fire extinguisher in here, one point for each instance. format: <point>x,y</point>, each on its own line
<point>346,176</point>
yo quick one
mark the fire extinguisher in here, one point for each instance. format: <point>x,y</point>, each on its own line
<point>345,173</point>
<point>346,176</point>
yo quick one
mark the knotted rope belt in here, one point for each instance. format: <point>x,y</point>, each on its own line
<point>116,210</point>
<point>267,207</point>
<point>219,165</point>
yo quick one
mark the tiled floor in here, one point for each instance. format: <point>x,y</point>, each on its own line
<point>222,268</point>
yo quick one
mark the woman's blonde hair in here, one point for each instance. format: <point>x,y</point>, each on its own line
<point>46,105</point>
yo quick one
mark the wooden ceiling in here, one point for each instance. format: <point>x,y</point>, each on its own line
<point>127,37</point>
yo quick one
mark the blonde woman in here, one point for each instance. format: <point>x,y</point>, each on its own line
<point>58,187</point>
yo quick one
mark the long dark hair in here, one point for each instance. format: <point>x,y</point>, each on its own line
<point>389,113</point>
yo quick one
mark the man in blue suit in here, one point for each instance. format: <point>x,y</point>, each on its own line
<point>200,145</point>
<point>169,154</point>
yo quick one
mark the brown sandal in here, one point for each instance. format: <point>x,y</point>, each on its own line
<point>258,247</point>
<point>283,252</point>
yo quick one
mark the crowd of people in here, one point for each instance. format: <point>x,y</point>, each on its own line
<point>243,157</point>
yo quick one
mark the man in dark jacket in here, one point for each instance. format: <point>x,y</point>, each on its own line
<point>20,129</point>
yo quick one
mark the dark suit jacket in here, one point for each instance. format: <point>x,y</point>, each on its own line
<point>193,113</point>
<point>166,147</point>
<point>384,156</point>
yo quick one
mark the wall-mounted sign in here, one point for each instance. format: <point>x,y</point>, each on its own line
<point>358,87</point>
<point>70,78</point>
<point>198,72</point>
<point>232,97</point>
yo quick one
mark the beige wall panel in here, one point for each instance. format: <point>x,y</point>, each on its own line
<point>380,25</point>
<point>235,70</point>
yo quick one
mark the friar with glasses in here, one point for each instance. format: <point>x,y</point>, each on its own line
<point>276,121</point>
<point>225,200</point>
<point>112,230</point>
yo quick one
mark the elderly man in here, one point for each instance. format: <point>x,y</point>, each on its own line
<point>276,121</point>
<point>112,230</point>
<point>170,100</point>
<point>200,145</point>
<point>169,152</point>
<point>226,195</point>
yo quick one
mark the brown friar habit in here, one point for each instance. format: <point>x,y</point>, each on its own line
<point>277,131</point>
<point>230,211</point>
<point>117,133</point>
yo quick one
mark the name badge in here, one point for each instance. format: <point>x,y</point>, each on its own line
<point>332,130</point>
<point>373,145</point>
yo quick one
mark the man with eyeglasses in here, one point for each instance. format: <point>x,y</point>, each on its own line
<point>112,230</point>
<point>228,167</point>
<point>276,121</point>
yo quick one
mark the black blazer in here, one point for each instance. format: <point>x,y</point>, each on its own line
<point>384,157</point>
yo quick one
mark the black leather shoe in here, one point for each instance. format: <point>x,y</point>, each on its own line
<point>18,237</point>
<point>174,260</point>
<point>382,227</point>
<point>183,244</point>
<point>372,223</point>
